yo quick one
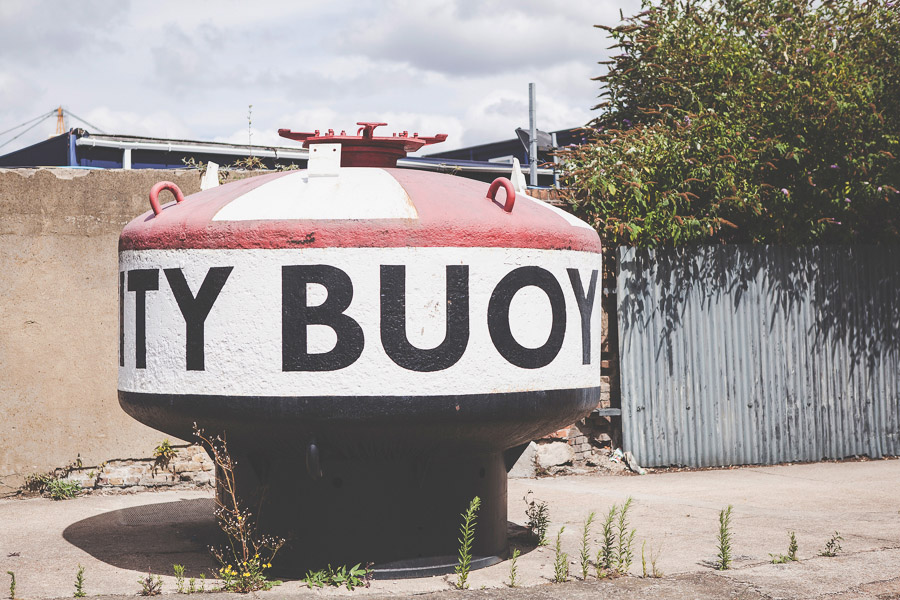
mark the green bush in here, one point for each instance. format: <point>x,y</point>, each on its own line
<point>763,121</point>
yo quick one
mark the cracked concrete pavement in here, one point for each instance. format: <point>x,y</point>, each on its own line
<point>118,538</point>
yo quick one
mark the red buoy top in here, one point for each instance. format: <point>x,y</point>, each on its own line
<point>370,203</point>
<point>365,149</point>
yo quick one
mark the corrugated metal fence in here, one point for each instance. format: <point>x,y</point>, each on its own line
<point>759,354</point>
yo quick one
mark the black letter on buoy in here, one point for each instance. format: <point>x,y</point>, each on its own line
<point>296,316</point>
<point>585,307</point>
<point>141,281</point>
<point>498,317</point>
<point>393,321</point>
<point>196,309</point>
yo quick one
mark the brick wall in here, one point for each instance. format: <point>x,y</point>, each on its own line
<point>190,467</point>
<point>598,430</point>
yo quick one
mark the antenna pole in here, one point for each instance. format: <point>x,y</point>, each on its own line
<point>532,135</point>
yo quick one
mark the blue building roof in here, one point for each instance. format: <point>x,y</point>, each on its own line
<point>79,148</point>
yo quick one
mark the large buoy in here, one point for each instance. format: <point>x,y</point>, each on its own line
<point>376,343</point>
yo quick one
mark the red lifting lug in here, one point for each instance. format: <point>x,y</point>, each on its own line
<point>157,189</point>
<point>507,185</point>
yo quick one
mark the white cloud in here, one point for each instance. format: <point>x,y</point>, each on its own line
<point>474,37</point>
<point>190,69</point>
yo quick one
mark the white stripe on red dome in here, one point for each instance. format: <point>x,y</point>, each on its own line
<point>357,194</point>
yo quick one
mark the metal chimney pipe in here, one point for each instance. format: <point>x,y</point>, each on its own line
<point>532,144</point>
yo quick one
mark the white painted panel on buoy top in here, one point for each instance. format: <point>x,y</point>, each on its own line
<point>356,193</point>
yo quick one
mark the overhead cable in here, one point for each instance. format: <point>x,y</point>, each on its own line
<point>21,134</point>
<point>43,116</point>
<point>94,127</point>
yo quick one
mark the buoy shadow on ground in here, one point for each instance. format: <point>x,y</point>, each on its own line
<point>151,537</point>
<point>154,537</point>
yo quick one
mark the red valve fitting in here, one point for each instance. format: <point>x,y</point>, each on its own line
<point>365,149</point>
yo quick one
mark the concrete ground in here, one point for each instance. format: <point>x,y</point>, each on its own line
<point>117,539</point>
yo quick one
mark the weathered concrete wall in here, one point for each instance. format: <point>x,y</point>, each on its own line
<point>59,231</point>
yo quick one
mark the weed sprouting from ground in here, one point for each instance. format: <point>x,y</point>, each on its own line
<point>723,540</point>
<point>354,577</point>
<point>248,554</point>
<point>538,518</point>
<point>12,585</point>
<point>624,540</point>
<point>585,554</point>
<point>63,489</point>
<point>466,539</point>
<point>616,552</point>
<point>513,569</point>
<point>644,559</point>
<point>654,572</point>
<point>54,483</point>
<point>791,556</point>
<point>179,578</point>
<point>606,552</point>
<point>832,546</point>
<point>150,585</point>
<point>561,560</point>
<point>793,547</point>
<point>163,455</point>
<point>79,583</point>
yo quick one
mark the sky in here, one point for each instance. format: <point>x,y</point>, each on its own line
<point>191,69</point>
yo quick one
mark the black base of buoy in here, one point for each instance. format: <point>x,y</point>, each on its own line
<point>366,479</point>
<point>402,515</point>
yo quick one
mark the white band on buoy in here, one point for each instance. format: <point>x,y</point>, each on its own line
<point>358,321</point>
